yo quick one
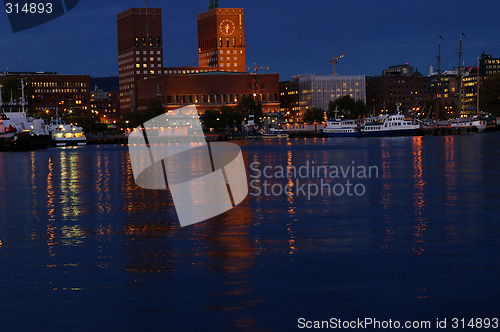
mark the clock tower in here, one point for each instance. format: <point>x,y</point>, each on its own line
<point>221,39</point>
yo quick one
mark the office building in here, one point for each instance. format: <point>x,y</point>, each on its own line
<point>105,105</point>
<point>52,92</point>
<point>318,91</point>
<point>399,85</point>
<point>290,101</point>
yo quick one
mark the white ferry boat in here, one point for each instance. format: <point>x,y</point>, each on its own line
<point>392,125</point>
<point>343,128</point>
<point>64,134</point>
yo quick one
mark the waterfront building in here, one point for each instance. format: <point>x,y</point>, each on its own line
<point>399,85</point>
<point>488,65</point>
<point>474,77</point>
<point>448,95</point>
<point>470,82</point>
<point>53,92</point>
<point>105,105</point>
<point>318,91</point>
<point>290,101</point>
<point>211,90</point>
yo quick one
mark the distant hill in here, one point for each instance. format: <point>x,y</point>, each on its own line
<point>107,84</point>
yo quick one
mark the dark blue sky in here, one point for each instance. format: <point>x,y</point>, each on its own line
<point>292,37</point>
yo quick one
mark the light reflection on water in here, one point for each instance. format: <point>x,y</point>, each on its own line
<point>425,236</point>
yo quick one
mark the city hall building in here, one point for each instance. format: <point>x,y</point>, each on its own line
<point>219,80</point>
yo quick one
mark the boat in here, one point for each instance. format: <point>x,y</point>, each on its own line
<point>480,125</point>
<point>490,119</point>
<point>453,127</point>
<point>391,125</point>
<point>273,133</point>
<point>343,128</point>
<point>63,134</point>
<point>19,132</point>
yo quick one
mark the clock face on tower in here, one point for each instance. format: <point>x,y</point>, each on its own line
<point>227,27</point>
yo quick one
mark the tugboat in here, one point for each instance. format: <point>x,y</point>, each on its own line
<point>19,132</point>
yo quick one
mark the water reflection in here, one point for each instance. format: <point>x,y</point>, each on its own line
<point>450,171</point>
<point>418,196</point>
<point>69,183</point>
<point>74,220</point>
<point>385,157</point>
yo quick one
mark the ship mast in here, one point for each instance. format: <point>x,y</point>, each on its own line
<point>22,95</point>
<point>436,116</point>
<point>460,75</point>
<point>478,81</point>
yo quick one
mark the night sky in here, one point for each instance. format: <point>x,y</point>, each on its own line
<point>291,37</point>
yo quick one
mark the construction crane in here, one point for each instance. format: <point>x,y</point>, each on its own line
<point>334,60</point>
<point>256,68</point>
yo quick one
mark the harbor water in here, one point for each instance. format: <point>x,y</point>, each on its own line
<point>83,248</point>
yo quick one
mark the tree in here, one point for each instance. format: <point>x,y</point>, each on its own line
<point>248,105</point>
<point>347,106</point>
<point>211,119</point>
<point>314,115</point>
<point>154,108</point>
<point>489,95</point>
<point>231,117</point>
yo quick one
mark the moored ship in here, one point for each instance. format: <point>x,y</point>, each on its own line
<point>19,132</point>
<point>343,128</point>
<point>63,134</point>
<point>391,125</point>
